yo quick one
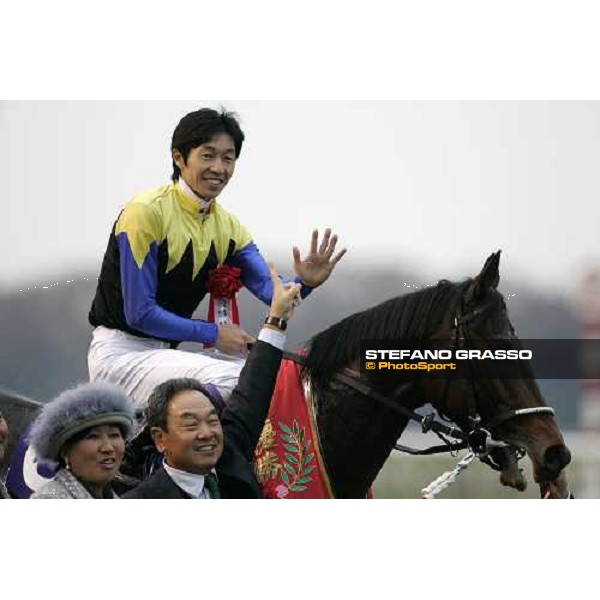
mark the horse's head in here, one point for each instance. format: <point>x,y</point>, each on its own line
<point>510,409</point>
<point>358,431</point>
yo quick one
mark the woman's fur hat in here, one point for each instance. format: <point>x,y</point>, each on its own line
<point>72,411</point>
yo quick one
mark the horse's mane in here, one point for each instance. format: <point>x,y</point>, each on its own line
<point>411,316</point>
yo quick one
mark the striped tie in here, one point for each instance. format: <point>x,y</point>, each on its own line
<point>212,485</point>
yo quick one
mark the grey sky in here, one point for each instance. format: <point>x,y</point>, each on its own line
<point>435,186</point>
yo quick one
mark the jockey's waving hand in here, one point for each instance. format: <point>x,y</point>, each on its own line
<point>319,264</point>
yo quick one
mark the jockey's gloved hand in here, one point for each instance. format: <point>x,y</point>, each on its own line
<point>233,340</point>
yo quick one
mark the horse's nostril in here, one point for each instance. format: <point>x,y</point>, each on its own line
<point>557,458</point>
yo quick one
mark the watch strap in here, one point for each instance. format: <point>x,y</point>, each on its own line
<point>277,322</point>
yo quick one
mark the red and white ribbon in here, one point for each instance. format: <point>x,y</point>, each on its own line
<point>223,284</point>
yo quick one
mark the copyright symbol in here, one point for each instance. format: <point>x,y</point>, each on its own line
<point>370,365</point>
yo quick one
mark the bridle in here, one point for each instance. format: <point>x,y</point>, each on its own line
<point>480,437</point>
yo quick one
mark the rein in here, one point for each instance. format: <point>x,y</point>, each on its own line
<point>428,423</point>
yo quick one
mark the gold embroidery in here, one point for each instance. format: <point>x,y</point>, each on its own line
<point>267,467</point>
<point>265,460</point>
<point>267,437</point>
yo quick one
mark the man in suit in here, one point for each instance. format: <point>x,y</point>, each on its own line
<point>208,454</point>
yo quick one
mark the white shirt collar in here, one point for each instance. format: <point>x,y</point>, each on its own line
<point>191,483</point>
<point>203,205</point>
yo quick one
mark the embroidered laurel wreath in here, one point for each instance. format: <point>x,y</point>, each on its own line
<point>284,465</point>
<point>296,466</point>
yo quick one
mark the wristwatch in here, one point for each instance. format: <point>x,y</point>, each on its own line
<point>277,322</point>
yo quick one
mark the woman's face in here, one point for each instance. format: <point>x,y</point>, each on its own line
<point>96,458</point>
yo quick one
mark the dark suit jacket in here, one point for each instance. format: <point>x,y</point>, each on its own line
<point>242,421</point>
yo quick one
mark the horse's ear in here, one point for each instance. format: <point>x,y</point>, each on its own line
<point>488,278</point>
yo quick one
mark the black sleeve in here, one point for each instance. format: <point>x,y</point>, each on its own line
<point>247,408</point>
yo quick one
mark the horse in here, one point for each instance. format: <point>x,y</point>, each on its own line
<point>360,417</point>
<point>358,433</point>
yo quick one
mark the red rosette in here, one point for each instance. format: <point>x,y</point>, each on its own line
<point>223,283</point>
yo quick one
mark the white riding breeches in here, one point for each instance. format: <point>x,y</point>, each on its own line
<point>138,364</point>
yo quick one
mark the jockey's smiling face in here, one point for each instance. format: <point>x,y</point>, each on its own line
<point>193,441</point>
<point>208,167</point>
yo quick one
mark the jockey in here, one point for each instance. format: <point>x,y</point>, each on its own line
<point>154,274</point>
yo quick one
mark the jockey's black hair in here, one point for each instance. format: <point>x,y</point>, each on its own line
<point>158,402</point>
<point>199,127</point>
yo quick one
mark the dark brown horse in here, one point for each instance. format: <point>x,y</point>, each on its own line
<point>358,433</point>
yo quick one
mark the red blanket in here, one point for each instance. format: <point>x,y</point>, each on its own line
<point>288,459</point>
